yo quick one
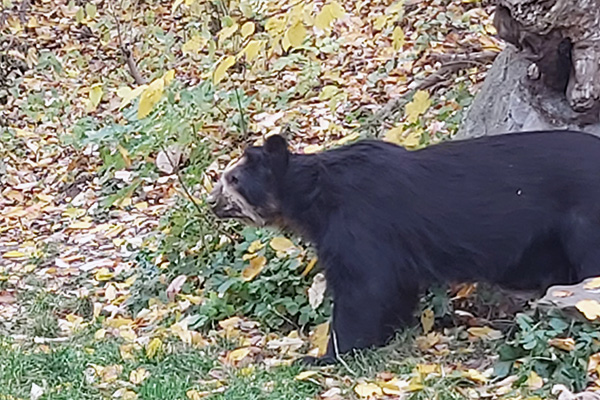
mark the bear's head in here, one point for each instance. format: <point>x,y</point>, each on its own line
<point>248,190</point>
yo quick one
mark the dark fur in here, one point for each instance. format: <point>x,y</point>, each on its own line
<point>520,210</point>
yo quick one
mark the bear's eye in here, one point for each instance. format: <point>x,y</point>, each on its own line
<point>233,179</point>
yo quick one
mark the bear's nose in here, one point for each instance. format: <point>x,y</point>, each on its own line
<point>211,199</point>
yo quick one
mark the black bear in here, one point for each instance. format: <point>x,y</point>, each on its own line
<point>520,210</point>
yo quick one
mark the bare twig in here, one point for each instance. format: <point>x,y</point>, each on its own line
<point>452,63</point>
<point>243,126</point>
<point>128,54</point>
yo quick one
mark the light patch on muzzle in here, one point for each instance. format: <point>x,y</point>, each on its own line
<point>227,202</point>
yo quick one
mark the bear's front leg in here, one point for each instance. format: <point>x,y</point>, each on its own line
<point>366,313</point>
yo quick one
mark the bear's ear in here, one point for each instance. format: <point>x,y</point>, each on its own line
<point>277,152</point>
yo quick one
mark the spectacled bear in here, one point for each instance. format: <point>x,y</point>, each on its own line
<point>520,210</point>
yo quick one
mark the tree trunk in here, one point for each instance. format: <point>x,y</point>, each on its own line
<point>548,77</point>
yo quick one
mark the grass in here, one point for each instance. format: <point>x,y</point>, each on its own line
<point>65,372</point>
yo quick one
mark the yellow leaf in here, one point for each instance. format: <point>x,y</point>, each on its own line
<point>238,354</point>
<point>410,138</point>
<point>427,369</point>
<point>247,29</point>
<point>534,381</point>
<point>104,274</point>
<point>138,376</point>
<point>320,338</point>
<point>168,76</point>
<point>100,334</point>
<point>380,22</point>
<point>281,243</point>
<point>368,390</point>
<point>485,333</point>
<point>398,38</point>
<point>221,68</point>
<point>255,246</point>
<point>419,104</point>
<point>474,375</point>
<point>324,18</point>
<point>193,394</point>
<point>91,10</point>
<point>275,25</point>
<point>118,322</point>
<point>251,50</point>
<point>13,254</point>
<point>80,225</point>
<point>589,308</point>
<point>194,45</point>
<point>253,269</point>
<point>593,362</point>
<point>311,264</point>
<point>337,10</point>
<point>127,394</point>
<point>128,334</point>
<point>296,34</point>
<point>328,92</point>
<point>427,319</point>
<point>150,96</point>
<point>96,95</point>
<point>304,375</point>
<point>127,94</point>
<point>394,387</point>
<point>567,344</point>
<point>153,348</point>
<point>227,32</point>
<point>593,283</point>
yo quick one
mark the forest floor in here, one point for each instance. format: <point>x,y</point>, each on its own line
<point>115,282</point>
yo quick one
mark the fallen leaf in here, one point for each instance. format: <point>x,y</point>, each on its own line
<point>296,34</point>
<point>368,390</point>
<point>419,104</point>
<point>103,274</point>
<point>592,284</point>
<point>320,338</point>
<point>221,69</point>
<point>175,287</point>
<point>13,254</point>
<point>309,267</point>
<point>304,375</point>
<point>282,244</point>
<point>567,344</point>
<point>153,348</point>
<point>194,45</point>
<point>238,354</point>
<point>251,50</point>
<point>589,308</point>
<point>167,161</point>
<point>247,29</point>
<point>137,376</point>
<point>316,292</point>
<point>150,96</point>
<point>534,381</point>
<point>474,375</point>
<point>36,392</point>
<point>253,269</point>
<point>398,38</point>
<point>427,320</point>
<point>485,333</point>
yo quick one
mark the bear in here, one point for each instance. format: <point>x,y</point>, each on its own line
<point>519,210</point>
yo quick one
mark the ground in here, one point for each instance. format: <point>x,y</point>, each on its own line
<point>115,281</point>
